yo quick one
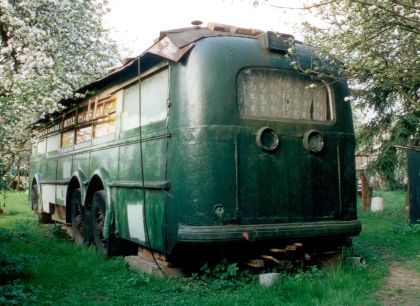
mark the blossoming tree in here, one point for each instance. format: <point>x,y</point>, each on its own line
<point>48,48</point>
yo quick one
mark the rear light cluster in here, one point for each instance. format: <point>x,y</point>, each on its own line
<point>267,139</point>
<point>313,141</point>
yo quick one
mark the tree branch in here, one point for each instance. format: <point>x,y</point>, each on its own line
<point>367,3</point>
<point>414,7</point>
<point>301,8</point>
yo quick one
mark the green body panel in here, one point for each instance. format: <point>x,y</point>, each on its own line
<point>48,169</point>
<point>129,170</point>
<point>105,159</point>
<point>81,162</point>
<point>214,159</point>
<point>155,200</point>
<point>205,176</point>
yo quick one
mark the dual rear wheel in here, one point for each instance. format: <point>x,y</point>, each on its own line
<point>87,225</point>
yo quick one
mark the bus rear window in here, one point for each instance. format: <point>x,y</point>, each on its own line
<point>274,94</point>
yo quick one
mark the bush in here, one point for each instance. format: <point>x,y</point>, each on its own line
<point>16,293</point>
<point>57,232</point>
<point>223,275</point>
<point>13,266</point>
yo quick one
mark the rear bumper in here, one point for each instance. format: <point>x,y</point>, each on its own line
<point>226,233</point>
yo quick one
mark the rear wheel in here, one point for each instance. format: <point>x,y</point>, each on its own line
<point>110,246</point>
<point>78,224</point>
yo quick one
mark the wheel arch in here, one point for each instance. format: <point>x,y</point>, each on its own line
<point>78,180</point>
<point>98,181</point>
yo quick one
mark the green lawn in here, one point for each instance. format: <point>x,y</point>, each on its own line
<point>38,268</point>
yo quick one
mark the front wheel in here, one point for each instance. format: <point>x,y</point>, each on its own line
<point>110,246</point>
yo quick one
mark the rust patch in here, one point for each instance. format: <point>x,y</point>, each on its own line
<point>167,49</point>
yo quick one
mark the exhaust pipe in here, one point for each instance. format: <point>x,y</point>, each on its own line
<point>356,260</point>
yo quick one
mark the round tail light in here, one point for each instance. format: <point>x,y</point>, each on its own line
<point>313,141</point>
<point>267,139</point>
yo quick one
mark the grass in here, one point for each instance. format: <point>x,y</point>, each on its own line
<point>387,234</point>
<point>52,271</point>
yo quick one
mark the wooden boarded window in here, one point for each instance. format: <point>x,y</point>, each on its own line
<point>85,112</point>
<point>69,119</point>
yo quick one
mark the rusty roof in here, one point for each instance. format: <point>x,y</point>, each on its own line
<point>171,45</point>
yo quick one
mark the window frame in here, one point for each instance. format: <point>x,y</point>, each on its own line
<point>292,73</point>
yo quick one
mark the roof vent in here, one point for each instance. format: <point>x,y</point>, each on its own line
<point>277,42</point>
<point>196,22</point>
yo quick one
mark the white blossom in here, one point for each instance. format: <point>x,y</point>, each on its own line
<point>46,52</point>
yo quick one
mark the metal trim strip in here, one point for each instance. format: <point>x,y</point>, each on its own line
<point>54,182</point>
<point>139,184</point>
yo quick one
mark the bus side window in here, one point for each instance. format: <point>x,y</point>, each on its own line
<point>53,142</point>
<point>40,149</point>
<point>105,115</point>
<point>130,115</point>
<point>154,98</point>
<point>67,138</point>
<point>104,126</point>
<point>83,134</point>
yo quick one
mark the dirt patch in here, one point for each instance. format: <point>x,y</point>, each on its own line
<point>401,287</point>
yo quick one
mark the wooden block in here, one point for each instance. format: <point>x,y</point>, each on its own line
<point>255,263</point>
<point>268,257</point>
<point>278,250</point>
<point>147,267</point>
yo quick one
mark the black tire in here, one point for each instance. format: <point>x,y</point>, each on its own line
<point>78,222</point>
<point>110,246</point>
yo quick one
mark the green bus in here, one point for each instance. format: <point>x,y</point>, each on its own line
<point>223,144</point>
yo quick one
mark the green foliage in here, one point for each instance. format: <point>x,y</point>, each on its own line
<point>387,234</point>
<point>5,234</point>
<point>223,274</point>
<point>68,274</point>
<point>311,272</point>
<point>378,137</point>
<point>57,232</point>
<point>406,229</point>
<point>377,43</point>
<point>48,49</point>
<point>5,181</point>
<point>15,293</point>
<point>14,266</point>
<point>25,230</point>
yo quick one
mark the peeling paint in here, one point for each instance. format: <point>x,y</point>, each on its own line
<point>136,221</point>
<point>48,196</point>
